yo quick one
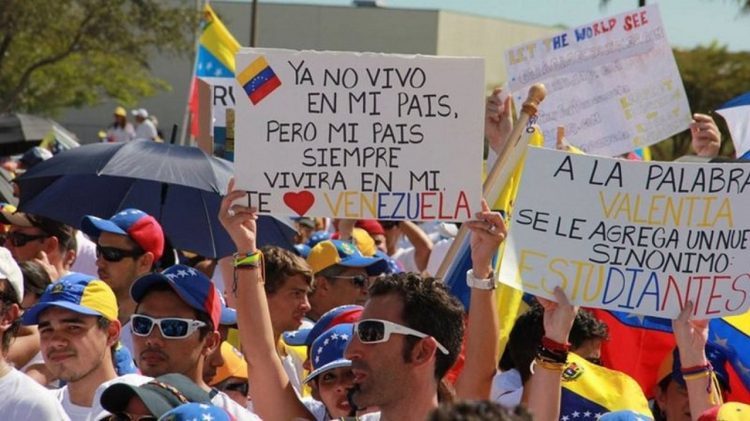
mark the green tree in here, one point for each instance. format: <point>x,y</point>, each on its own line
<point>711,75</point>
<point>74,53</point>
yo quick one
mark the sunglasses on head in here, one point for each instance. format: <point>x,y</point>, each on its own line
<point>19,239</point>
<point>113,254</point>
<point>374,331</point>
<point>359,281</point>
<point>170,327</point>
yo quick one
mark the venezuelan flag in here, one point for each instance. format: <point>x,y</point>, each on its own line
<point>216,50</point>
<point>258,80</point>
<point>509,300</point>
<point>589,390</point>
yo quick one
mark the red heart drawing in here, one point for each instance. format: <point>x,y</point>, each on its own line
<point>299,202</point>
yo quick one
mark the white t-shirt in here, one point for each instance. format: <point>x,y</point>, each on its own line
<point>507,388</point>
<point>95,411</point>
<point>25,399</point>
<point>316,408</point>
<point>145,130</point>
<point>223,401</point>
<point>85,255</point>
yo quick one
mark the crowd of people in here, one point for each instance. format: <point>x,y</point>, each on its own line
<point>108,322</point>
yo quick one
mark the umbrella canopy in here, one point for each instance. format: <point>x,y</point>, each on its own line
<point>19,132</point>
<point>180,186</point>
<point>736,112</point>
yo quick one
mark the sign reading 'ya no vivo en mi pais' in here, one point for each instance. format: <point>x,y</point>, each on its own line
<point>638,237</point>
<point>359,135</point>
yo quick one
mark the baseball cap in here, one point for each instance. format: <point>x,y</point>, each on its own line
<point>120,111</point>
<point>159,395</point>
<point>335,316</point>
<point>196,411</point>
<point>134,223</point>
<point>53,228</point>
<point>34,156</point>
<point>624,415</point>
<point>234,364</point>
<point>730,411</point>
<point>328,349</point>
<point>317,237</point>
<point>76,292</point>
<point>336,252</point>
<point>671,366</point>
<point>372,226</point>
<point>9,270</point>
<point>362,240</point>
<point>140,112</point>
<point>191,285</point>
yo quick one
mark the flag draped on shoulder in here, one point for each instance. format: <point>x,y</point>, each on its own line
<point>589,390</point>
<point>215,59</point>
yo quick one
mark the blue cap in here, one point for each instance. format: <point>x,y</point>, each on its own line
<point>134,223</point>
<point>342,314</point>
<point>196,411</point>
<point>228,314</point>
<point>389,267</point>
<point>327,350</point>
<point>302,250</point>
<point>624,415</point>
<point>317,237</point>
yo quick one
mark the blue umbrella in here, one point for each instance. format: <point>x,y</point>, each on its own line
<point>180,186</point>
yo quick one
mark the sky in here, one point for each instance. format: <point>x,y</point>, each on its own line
<point>688,23</point>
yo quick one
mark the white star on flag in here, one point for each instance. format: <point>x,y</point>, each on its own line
<point>575,414</point>
<point>344,337</point>
<point>182,273</point>
<point>334,336</point>
<point>325,342</point>
<point>171,276</point>
<point>587,414</point>
<point>207,417</point>
<point>564,418</point>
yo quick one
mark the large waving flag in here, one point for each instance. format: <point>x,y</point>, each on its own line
<point>589,390</point>
<point>216,50</point>
<point>638,344</point>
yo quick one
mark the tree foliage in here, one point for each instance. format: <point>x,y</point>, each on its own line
<point>74,53</point>
<point>712,76</point>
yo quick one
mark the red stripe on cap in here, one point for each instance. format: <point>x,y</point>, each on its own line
<point>149,235</point>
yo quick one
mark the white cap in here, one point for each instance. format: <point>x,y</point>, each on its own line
<point>140,112</point>
<point>9,270</point>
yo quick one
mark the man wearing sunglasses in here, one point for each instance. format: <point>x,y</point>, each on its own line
<point>30,235</point>
<point>22,397</point>
<point>341,275</point>
<point>127,247</point>
<point>78,327</point>
<point>175,328</point>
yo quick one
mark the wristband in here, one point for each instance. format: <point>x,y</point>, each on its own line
<point>548,365</point>
<point>553,345</point>
<point>474,282</point>
<point>251,260</point>
<point>696,369</point>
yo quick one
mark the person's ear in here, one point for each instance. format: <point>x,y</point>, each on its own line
<point>113,332</point>
<point>321,283</point>
<point>145,262</point>
<point>9,316</point>
<point>211,342</point>
<point>423,351</point>
<point>50,245</point>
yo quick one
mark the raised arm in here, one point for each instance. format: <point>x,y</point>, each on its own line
<point>272,393</point>
<point>544,385</point>
<point>691,337</point>
<point>483,331</point>
<point>705,136</point>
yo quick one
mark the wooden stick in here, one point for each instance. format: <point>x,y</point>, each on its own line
<point>501,171</point>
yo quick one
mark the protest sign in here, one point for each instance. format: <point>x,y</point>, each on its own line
<point>359,135</point>
<point>638,237</point>
<point>613,84</point>
<point>222,100</point>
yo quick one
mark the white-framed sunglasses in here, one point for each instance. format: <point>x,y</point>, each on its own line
<point>170,327</point>
<point>373,331</point>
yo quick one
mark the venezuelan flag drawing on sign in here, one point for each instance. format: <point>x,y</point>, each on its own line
<point>589,390</point>
<point>216,50</point>
<point>258,80</point>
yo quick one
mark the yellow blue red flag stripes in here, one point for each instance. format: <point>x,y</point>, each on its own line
<point>589,390</point>
<point>258,80</point>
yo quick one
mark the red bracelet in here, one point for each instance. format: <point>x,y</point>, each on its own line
<point>696,369</point>
<point>553,345</point>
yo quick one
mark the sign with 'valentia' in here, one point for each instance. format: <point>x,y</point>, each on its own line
<point>638,237</point>
<point>359,135</point>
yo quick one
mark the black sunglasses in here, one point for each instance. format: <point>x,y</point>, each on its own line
<point>240,387</point>
<point>113,254</point>
<point>359,281</point>
<point>19,239</point>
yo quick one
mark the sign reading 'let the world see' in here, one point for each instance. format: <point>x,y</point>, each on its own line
<point>356,135</point>
<point>639,237</point>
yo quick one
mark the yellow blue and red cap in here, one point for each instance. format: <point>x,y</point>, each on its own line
<point>141,227</point>
<point>76,292</point>
<point>336,252</point>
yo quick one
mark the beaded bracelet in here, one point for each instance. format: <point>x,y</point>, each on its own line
<point>696,369</point>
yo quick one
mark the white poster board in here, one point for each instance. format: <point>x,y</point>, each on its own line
<point>638,237</point>
<point>612,84</point>
<point>360,135</point>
